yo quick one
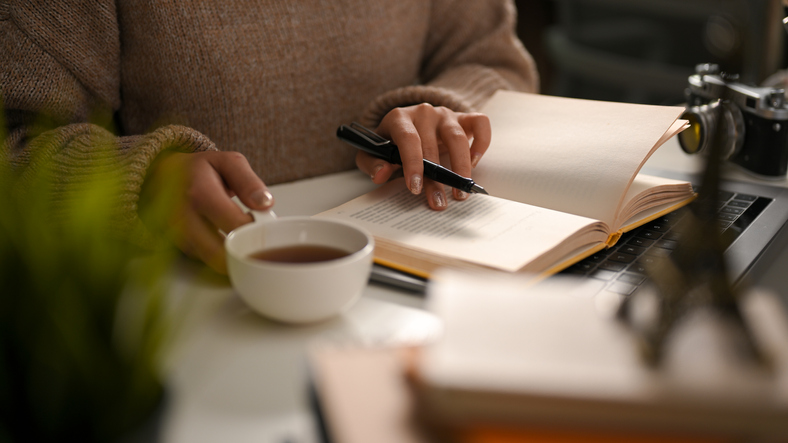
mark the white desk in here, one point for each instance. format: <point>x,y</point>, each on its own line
<point>236,377</point>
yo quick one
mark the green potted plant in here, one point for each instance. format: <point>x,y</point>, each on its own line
<point>82,320</point>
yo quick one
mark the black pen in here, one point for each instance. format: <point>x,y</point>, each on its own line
<point>368,141</point>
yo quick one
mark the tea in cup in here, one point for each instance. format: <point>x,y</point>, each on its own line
<point>299,269</point>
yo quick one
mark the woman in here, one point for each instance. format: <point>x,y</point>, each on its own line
<point>228,94</point>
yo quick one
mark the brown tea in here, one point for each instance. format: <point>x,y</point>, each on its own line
<point>299,254</point>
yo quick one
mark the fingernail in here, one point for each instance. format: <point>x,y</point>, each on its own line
<point>439,199</point>
<point>262,198</point>
<point>375,171</point>
<point>475,159</point>
<point>461,195</point>
<point>415,183</point>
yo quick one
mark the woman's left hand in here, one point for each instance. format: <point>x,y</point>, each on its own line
<point>424,132</point>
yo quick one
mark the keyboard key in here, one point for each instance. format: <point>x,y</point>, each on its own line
<point>657,252</point>
<point>730,210</point>
<point>612,266</point>
<point>745,197</point>
<point>633,279</point>
<point>581,268</point>
<point>666,244</point>
<point>657,227</point>
<point>739,204</point>
<point>725,195</point>
<point>637,268</point>
<point>650,260</point>
<point>601,274</point>
<point>620,257</point>
<point>622,288</point>
<point>597,257</point>
<point>631,249</point>
<point>642,242</point>
<point>650,235</point>
<point>727,217</point>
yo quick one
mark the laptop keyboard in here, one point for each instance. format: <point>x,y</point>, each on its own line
<point>623,266</point>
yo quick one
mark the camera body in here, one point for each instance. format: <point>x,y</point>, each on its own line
<point>754,120</point>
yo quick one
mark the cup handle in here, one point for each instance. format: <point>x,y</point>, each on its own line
<point>258,216</point>
<point>263,216</point>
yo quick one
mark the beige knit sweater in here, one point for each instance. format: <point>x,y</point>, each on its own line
<point>271,79</point>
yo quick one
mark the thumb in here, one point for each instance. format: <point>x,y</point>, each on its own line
<point>258,199</point>
<point>242,180</point>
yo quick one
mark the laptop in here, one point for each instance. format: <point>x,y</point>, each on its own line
<point>755,216</point>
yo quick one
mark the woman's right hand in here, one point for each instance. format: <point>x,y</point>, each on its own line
<point>187,196</point>
<point>424,132</point>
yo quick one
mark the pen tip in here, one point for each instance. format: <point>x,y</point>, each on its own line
<point>476,189</point>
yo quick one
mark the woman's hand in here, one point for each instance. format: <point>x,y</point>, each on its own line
<point>423,131</point>
<point>188,197</point>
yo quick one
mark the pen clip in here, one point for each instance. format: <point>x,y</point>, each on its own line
<point>368,134</point>
<point>370,142</point>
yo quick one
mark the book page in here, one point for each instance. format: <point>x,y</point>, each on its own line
<point>571,155</point>
<point>484,230</point>
<point>647,192</point>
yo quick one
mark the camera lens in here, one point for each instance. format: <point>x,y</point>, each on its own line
<point>703,121</point>
<point>692,138</point>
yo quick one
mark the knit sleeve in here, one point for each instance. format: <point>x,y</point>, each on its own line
<point>77,153</point>
<point>471,51</point>
<point>60,69</point>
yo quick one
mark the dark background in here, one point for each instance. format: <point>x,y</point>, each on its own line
<point>642,51</point>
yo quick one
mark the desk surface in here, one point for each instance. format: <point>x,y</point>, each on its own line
<point>235,376</point>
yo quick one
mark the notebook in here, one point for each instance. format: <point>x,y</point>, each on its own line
<point>754,214</point>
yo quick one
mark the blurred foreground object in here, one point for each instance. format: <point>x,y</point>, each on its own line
<point>550,356</point>
<point>81,316</point>
<point>519,362</point>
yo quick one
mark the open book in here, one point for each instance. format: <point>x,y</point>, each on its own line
<point>563,181</point>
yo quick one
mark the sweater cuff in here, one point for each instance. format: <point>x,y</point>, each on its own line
<point>409,96</point>
<point>462,89</point>
<point>476,83</point>
<point>73,155</point>
<point>138,153</point>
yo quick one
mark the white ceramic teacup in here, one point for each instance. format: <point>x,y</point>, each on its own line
<point>298,292</point>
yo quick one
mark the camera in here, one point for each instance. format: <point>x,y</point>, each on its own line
<point>752,121</point>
